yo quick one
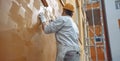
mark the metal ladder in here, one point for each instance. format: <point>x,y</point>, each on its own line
<point>88,40</point>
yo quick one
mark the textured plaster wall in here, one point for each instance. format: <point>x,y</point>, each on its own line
<point>21,35</point>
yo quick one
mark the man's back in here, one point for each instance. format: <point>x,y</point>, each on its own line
<point>68,33</point>
<point>67,37</point>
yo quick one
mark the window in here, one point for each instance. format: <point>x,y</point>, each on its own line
<point>117,4</point>
<point>98,38</point>
<point>119,23</point>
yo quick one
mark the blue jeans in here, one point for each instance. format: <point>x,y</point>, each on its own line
<point>72,56</point>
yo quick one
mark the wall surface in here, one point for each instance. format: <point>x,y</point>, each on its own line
<point>21,35</point>
<point>113,15</point>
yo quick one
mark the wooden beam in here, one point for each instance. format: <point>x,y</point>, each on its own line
<point>62,3</point>
<point>95,5</point>
<point>109,56</point>
<point>45,3</point>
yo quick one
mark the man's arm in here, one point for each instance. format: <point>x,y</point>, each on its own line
<point>43,20</point>
<point>52,26</point>
<point>43,25</point>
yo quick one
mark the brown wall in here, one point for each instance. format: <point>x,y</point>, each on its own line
<point>20,37</point>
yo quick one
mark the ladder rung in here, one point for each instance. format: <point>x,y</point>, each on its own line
<point>94,46</point>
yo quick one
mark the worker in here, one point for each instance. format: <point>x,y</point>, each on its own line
<point>66,34</point>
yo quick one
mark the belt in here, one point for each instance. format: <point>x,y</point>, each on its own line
<point>76,52</point>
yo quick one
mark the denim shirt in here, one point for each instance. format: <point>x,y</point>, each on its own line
<point>66,33</point>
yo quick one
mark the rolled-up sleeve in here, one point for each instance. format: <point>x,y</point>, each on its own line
<point>54,26</point>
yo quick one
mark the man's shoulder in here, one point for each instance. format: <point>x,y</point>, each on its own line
<point>61,17</point>
<point>64,18</point>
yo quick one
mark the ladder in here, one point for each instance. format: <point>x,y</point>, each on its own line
<point>96,41</point>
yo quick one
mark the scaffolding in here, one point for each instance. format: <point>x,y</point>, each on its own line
<point>96,41</point>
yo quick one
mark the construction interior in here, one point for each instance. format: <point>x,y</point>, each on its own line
<point>22,37</point>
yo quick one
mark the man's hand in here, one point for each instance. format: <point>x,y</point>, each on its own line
<point>42,17</point>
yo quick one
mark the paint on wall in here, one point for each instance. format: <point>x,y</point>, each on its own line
<point>21,35</point>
